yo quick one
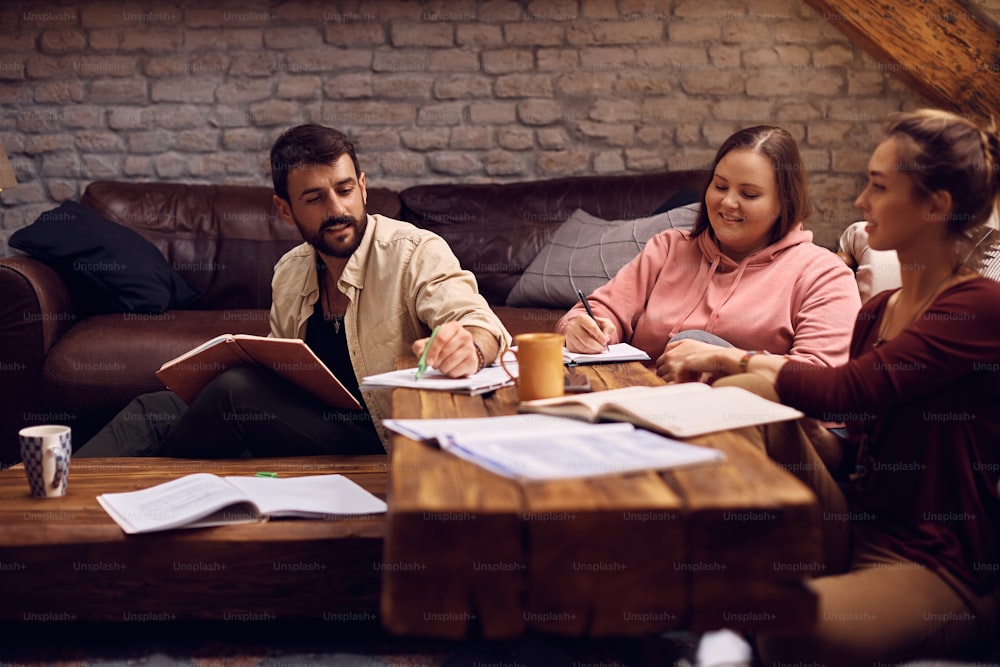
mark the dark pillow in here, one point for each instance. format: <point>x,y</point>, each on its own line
<point>108,267</point>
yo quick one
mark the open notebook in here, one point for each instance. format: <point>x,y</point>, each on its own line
<point>681,410</point>
<point>616,352</point>
<point>203,499</point>
<point>291,358</point>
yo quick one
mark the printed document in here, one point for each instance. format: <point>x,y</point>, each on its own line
<point>539,447</point>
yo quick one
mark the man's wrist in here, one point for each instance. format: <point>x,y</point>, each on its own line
<point>480,358</point>
<point>487,347</point>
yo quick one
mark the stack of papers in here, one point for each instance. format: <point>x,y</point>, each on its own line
<point>539,447</point>
<point>489,379</point>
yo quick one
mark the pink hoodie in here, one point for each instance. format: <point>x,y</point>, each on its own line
<point>792,297</point>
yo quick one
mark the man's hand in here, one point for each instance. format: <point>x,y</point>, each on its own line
<point>453,351</point>
<point>584,334</point>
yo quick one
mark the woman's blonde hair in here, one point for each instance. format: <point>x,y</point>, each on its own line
<point>940,150</point>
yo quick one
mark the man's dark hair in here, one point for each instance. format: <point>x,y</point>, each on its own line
<point>307,145</point>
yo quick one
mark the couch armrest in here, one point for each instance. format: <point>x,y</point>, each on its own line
<point>35,311</point>
<point>37,302</point>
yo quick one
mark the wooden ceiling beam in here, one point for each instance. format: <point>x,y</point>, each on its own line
<point>946,50</point>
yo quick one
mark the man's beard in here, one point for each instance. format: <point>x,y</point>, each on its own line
<point>324,247</point>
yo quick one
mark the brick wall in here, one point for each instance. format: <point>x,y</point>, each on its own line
<point>466,90</point>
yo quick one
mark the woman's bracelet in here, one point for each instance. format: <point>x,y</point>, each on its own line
<point>745,359</point>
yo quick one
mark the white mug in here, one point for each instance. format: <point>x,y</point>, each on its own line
<point>46,452</point>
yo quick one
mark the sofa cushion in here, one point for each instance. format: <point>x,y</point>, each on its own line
<point>586,252</point>
<point>528,320</point>
<point>496,229</point>
<point>875,270</point>
<point>108,267</point>
<point>879,270</point>
<point>222,239</point>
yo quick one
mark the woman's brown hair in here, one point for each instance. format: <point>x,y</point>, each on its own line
<point>940,150</point>
<point>778,146</point>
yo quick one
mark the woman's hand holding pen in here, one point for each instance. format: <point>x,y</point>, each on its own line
<point>589,335</point>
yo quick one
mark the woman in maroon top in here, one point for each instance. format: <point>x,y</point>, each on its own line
<point>911,540</point>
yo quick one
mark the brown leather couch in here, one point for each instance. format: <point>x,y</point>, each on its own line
<point>59,367</point>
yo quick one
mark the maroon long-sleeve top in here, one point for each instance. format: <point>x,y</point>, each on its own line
<point>924,408</point>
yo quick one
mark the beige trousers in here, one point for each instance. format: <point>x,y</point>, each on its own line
<point>875,607</point>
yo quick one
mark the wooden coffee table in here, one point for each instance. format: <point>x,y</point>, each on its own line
<point>465,551</point>
<point>469,552</point>
<point>65,559</point>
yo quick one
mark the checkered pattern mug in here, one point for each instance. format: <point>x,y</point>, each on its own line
<point>45,452</point>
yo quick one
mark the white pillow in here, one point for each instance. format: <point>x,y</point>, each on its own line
<point>878,270</point>
<point>875,270</point>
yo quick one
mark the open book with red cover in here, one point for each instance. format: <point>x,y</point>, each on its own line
<point>290,358</point>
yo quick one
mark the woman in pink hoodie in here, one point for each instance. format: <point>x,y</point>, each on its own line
<point>747,274</point>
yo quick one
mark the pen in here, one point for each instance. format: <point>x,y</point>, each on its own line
<point>422,364</point>
<point>586,305</point>
<point>265,474</point>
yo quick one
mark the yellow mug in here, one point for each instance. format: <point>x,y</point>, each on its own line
<point>540,365</point>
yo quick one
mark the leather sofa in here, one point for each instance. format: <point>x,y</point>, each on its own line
<point>61,367</point>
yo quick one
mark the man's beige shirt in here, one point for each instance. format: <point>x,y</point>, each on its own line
<point>401,282</point>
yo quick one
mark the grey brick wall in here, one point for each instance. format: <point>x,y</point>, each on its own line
<point>466,90</point>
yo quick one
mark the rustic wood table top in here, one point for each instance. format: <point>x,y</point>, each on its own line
<point>470,552</point>
<point>66,559</point>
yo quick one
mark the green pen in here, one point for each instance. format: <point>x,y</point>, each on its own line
<point>265,474</point>
<point>422,364</point>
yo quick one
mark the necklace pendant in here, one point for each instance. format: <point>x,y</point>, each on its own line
<point>336,324</point>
